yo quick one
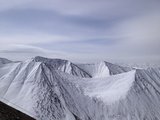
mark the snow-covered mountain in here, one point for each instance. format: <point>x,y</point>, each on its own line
<point>55,89</point>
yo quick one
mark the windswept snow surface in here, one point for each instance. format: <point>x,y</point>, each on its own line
<point>109,89</point>
<point>55,89</point>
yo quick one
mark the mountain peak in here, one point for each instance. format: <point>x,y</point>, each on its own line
<point>44,59</point>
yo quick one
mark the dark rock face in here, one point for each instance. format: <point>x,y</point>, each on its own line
<point>9,113</point>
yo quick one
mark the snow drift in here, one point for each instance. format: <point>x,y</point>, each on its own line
<point>55,89</point>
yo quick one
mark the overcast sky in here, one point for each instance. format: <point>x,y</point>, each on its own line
<point>80,30</point>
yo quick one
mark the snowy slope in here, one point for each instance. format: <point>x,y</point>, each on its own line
<point>54,89</point>
<point>95,70</point>
<point>109,89</point>
<point>127,96</point>
<point>29,87</point>
<point>4,61</point>
<point>90,97</point>
<point>103,69</point>
<point>116,69</point>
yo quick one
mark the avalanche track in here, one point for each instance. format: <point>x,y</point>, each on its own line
<point>55,89</point>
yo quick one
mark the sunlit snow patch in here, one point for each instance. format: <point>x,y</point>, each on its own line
<point>108,89</point>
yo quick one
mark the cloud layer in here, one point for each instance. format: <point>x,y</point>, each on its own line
<point>80,30</point>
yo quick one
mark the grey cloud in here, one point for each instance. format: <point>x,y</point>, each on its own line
<point>23,52</point>
<point>83,28</point>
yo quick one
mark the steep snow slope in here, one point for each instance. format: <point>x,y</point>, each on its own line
<point>46,92</point>
<point>103,69</point>
<point>95,70</point>
<point>90,97</point>
<point>127,96</point>
<point>31,88</point>
<point>116,69</point>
